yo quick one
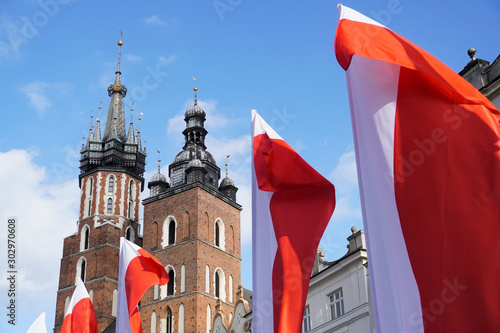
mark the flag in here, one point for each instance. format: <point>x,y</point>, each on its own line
<point>292,204</point>
<point>138,270</point>
<point>428,158</point>
<point>80,316</point>
<point>38,325</point>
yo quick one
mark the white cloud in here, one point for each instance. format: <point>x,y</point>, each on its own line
<point>38,93</point>
<point>155,20</point>
<point>132,57</point>
<point>45,215</point>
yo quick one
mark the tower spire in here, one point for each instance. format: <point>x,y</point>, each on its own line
<point>130,135</point>
<point>97,132</point>
<point>116,115</point>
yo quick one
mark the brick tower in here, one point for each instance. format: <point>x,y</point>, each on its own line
<point>192,225</point>
<point>111,183</point>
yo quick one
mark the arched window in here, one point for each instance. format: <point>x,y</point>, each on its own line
<point>219,234</point>
<point>171,233</point>
<point>84,239</point>
<point>170,285</point>
<point>169,320</point>
<point>109,209</point>
<point>153,322</point>
<point>131,198</point>
<point>217,285</point>
<point>115,303</point>
<point>111,184</point>
<point>80,269</point>
<point>130,234</point>
<point>181,318</point>
<point>183,278</point>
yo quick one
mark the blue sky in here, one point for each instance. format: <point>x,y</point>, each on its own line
<point>57,58</point>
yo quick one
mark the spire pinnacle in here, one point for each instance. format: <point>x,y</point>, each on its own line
<point>131,137</point>
<point>195,97</point>
<point>227,164</point>
<point>97,132</point>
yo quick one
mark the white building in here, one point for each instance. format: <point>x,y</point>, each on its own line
<point>338,298</point>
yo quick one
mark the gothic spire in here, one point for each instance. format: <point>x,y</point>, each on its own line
<point>97,131</point>
<point>116,115</point>
<point>130,135</point>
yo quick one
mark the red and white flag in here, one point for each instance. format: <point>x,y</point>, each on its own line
<point>80,316</point>
<point>428,157</point>
<point>138,270</point>
<point>292,204</point>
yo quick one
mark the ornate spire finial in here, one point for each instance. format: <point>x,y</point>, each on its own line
<point>195,97</point>
<point>99,113</point>
<point>159,160</point>
<point>227,164</point>
<point>472,53</point>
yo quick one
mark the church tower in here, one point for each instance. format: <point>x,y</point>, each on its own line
<point>192,225</point>
<point>111,182</point>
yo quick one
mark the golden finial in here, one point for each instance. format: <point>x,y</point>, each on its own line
<point>131,109</point>
<point>120,43</point>
<point>195,89</point>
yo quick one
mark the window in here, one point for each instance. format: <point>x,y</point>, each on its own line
<point>220,284</point>
<point>170,285</point>
<point>306,322</point>
<point>130,234</point>
<point>169,320</point>
<point>109,210</point>
<point>111,184</point>
<point>84,240</point>
<point>131,197</point>
<point>80,269</point>
<point>207,279</point>
<point>219,234</point>
<point>171,233</point>
<point>217,285</point>
<point>337,304</point>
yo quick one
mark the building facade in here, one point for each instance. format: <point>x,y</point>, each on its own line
<point>484,76</point>
<point>192,225</point>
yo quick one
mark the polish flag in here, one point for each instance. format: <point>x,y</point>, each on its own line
<point>80,316</point>
<point>292,204</point>
<point>138,270</point>
<point>428,157</point>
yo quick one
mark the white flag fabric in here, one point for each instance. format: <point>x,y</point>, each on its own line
<point>138,270</point>
<point>38,325</point>
<point>428,157</point>
<point>292,205</point>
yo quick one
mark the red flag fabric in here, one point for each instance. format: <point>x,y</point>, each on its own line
<point>80,316</point>
<point>292,204</point>
<point>428,157</point>
<point>138,270</point>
